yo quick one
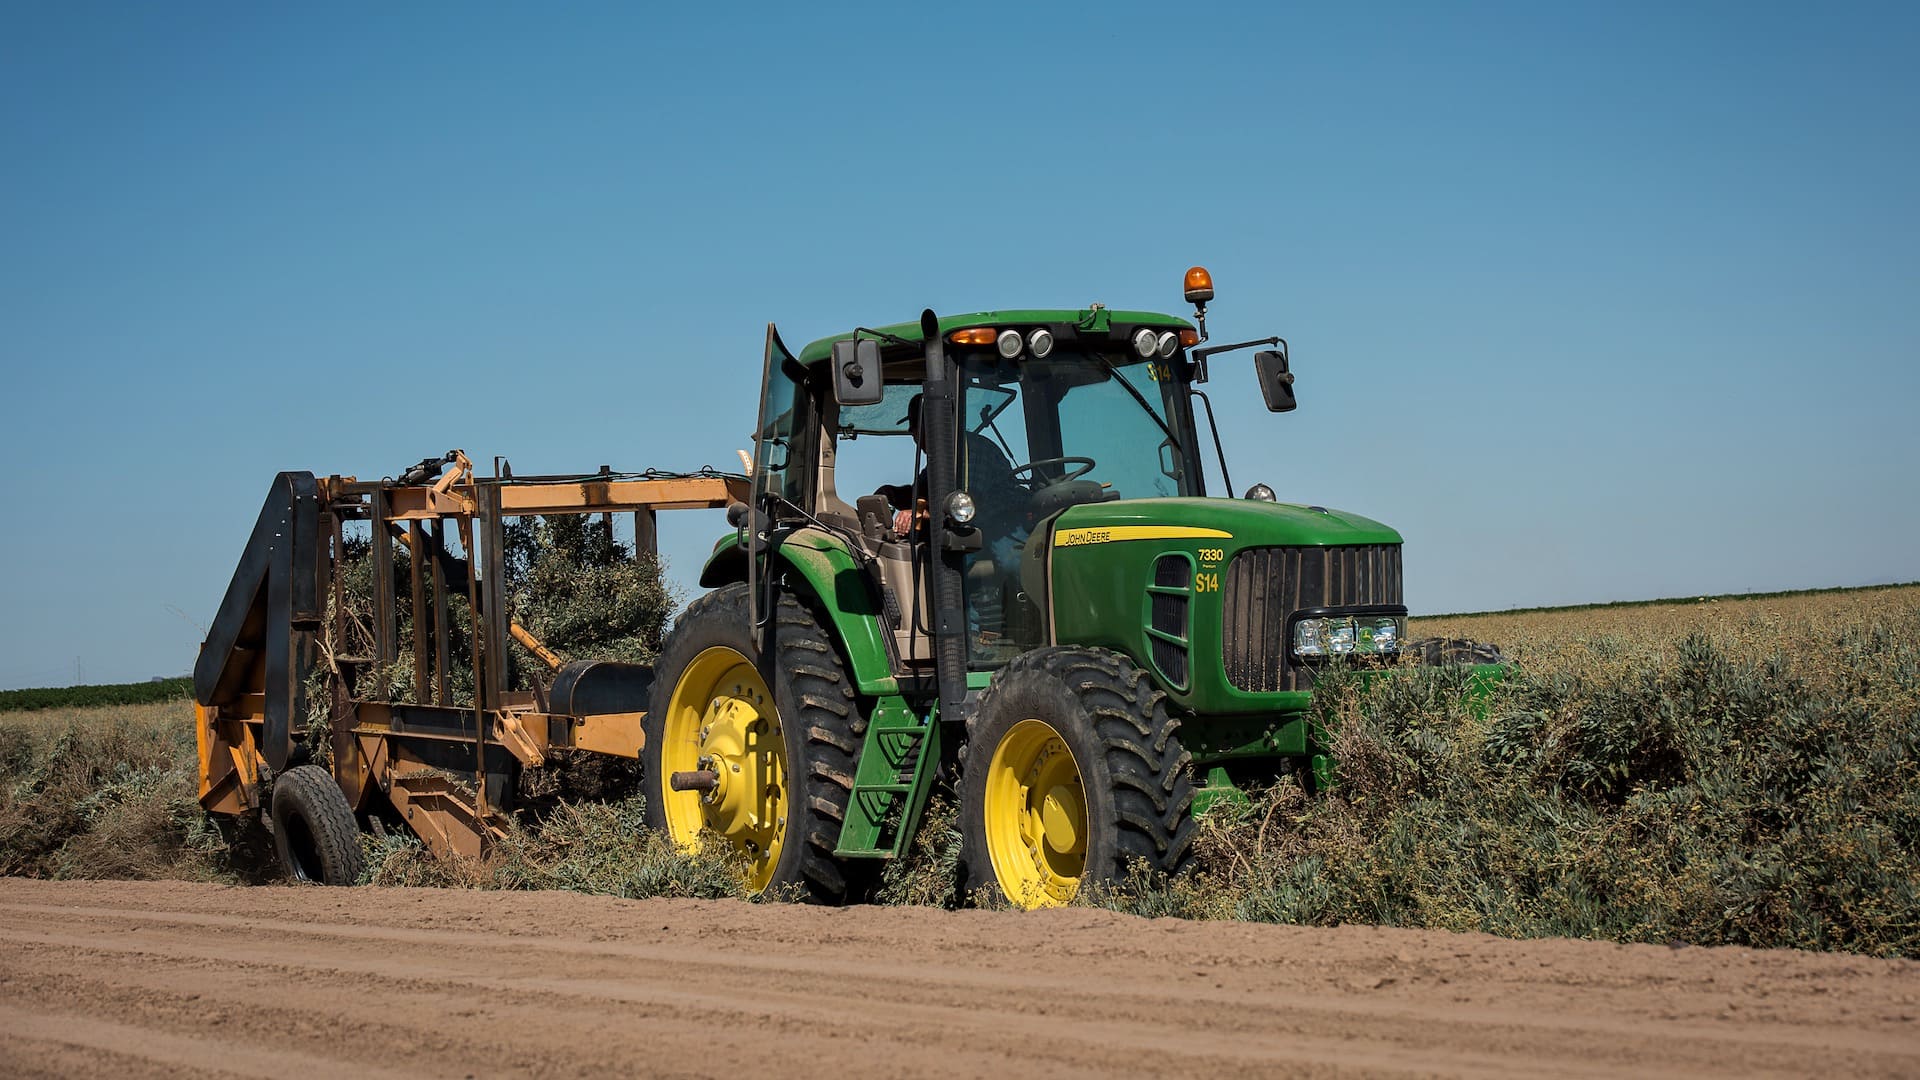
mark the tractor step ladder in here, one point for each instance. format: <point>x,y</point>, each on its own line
<point>891,783</point>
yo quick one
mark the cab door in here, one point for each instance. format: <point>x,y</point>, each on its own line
<point>777,473</point>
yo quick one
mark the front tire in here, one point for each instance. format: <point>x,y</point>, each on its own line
<point>315,835</point>
<point>782,741</point>
<point>1071,774</point>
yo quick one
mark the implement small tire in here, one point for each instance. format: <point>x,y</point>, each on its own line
<point>314,833</point>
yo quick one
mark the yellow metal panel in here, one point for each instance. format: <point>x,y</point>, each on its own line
<point>610,733</point>
<point>614,496</point>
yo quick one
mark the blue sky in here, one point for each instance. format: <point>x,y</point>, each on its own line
<point>1591,305</point>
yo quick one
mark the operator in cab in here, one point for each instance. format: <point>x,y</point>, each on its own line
<point>985,473</point>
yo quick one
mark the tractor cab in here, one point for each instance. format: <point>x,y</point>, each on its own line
<point>1044,410</point>
<point>1041,411</point>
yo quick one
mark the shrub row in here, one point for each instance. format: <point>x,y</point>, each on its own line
<point>1756,788</point>
<point>82,697</point>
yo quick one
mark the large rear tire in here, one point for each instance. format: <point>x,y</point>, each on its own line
<point>1071,775</point>
<point>314,833</point>
<point>782,741</point>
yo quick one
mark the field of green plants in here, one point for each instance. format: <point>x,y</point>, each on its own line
<point>1734,771</point>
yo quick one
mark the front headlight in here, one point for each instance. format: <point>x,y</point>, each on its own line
<point>960,508</point>
<point>1348,635</point>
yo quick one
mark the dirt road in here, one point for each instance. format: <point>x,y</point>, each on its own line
<point>169,979</point>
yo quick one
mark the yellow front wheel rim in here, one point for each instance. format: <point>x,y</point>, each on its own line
<point>721,717</point>
<point>1036,816</point>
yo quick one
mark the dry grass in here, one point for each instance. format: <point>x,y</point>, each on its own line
<point>166,715</point>
<point>1739,772</point>
<point>1554,631</point>
<point>105,792</point>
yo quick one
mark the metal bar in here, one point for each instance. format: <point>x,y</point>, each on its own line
<point>535,646</point>
<point>338,530</point>
<point>383,643</point>
<point>478,646</point>
<point>613,496</point>
<point>646,534</point>
<point>416,561</point>
<point>442,617</point>
<point>493,548</point>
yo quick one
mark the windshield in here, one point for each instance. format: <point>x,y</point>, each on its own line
<point>1039,436</point>
<point>1095,418</point>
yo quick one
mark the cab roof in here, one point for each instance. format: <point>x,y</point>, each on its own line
<point>1100,322</point>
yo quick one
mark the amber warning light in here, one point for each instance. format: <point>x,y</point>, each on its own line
<point>1199,286</point>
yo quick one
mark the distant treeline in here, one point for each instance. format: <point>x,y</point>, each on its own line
<point>1676,600</point>
<point>79,697</point>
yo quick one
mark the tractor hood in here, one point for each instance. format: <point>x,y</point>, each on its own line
<point>1234,522</point>
<point>1197,592</point>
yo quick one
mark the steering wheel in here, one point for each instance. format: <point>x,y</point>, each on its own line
<point>1031,467</point>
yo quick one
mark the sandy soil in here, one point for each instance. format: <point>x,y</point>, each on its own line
<point>174,979</point>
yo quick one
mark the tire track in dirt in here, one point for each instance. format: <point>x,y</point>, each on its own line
<point>468,983</point>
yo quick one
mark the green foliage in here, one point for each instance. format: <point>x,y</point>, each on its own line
<point>928,872</point>
<point>591,847</point>
<point>569,582</point>
<point>81,697</point>
<point>1753,788</point>
<point>583,593</point>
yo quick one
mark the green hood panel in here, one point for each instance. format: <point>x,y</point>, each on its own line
<point>1104,579</point>
<point>1245,523</point>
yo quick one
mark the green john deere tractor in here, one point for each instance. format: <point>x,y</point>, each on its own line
<point>1053,617</point>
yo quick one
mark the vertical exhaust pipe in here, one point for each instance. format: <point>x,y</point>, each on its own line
<point>939,416</point>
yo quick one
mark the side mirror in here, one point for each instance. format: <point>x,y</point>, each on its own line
<point>1276,382</point>
<point>856,372</point>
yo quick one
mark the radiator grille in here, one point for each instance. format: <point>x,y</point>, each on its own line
<point>1168,616</point>
<point>1265,585</point>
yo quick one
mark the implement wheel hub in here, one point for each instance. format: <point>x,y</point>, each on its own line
<point>722,717</point>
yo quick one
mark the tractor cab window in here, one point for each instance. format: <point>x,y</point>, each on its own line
<point>887,417</point>
<point>781,449</point>
<point>1038,437</point>
<point>872,445</point>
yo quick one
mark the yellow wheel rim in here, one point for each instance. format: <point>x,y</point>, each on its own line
<point>722,717</point>
<point>1036,816</point>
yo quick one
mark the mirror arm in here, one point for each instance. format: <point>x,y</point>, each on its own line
<point>891,339</point>
<point>1217,447</point>
<point>1199,356</point>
